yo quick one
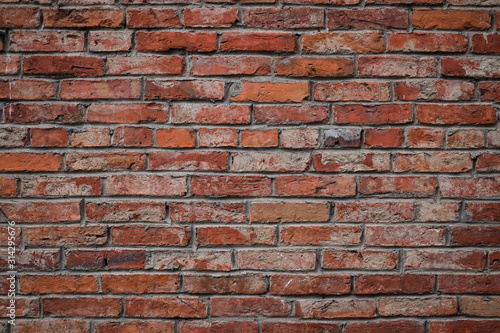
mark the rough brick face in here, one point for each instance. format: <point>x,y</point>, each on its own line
<point>205,166</point>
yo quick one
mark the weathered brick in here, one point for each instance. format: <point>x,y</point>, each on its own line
<point>411,235</point>
<point>225,284</point>
<point>49,137</point>
<point>473,67</point>
<point>19,16</point>
<point>105,259</point>
<point>425,306</point>
<point>152,18</point>
<point>284,18</point>
<point>44,113</point>
<point>341,308</point>
<point>179,160</point>
<point>161,41</point>
<point>208,212</point>
<point>191,260</point>
<point>374,211</point>
<point>83,17</point>
<point>227,236</point>
<point>47,284</point>
<point>207,326</point>
<point>368,18</point>
<point>383,138</point>
<point>315,186</point>
<point>392,66</point>
<point>127,112</point>
<point>249,307</point>
<point>466,187</point>
<point>372,114</point>
<point>185,89</point>
<point>272,92</point>
<point>363,259</point>
<point>289,212</point>
<point>220,186</point>
<point>426,42</point>
<point>258,41</point>
<point>314,67</point>
<point>282,260</point>
<point>463,325</point>
<point>135,326</point>
<point>62,236</point>
<point>168,65</point>
<point>150,235</point>
<point>100,89</point>
<point>109,41</point>
<point>394,284</point>
<point>461,283</point>
<point>227,65</point>
<point>269,162</point>
<point>441,259</point>
<point>165,307</point>
<point>125,211</point>
<point>93,137</point>
<point>210,17</point>
<point>488,162</point>
<point>108,161</point>
<point>450,19</point>
<point>351,91</point>
<point>47,41</point>
<point>351,162</point>
<point>42,211</point>
<point>433,90</point>
<point>320,235</point>
<point>290,114</point>
<point>406,186</point>
<point>140,283</point>
<point>343,42</point>
<point>60,186</point>
<point>432,162</point>
<point>480,306</point>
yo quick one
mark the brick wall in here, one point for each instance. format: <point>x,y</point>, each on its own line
<point>251,166</point>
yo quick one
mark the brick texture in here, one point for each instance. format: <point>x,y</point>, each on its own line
<point>253,166</point>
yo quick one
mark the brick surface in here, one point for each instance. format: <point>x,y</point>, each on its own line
<point>205,166</point>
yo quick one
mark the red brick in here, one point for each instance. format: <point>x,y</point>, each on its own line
<point>455,114</point>
<point>249,307</point>
<point>210,17</point>
<point>168,65</point>
<point>208,212</point>
<point>26,89</point>
<point>494,262</point>
<point>108,161</point>
<point>374,211</point>
<point>131,136</point>
<point>152,18</point>
<point>150,235</point>
<point>394,284</point>
<point>62,325</point>
<point>446,19</point>
<point>409,186</point>
<point>290,114</point>
<point>465,139</point>
<point>425,306</point>
<point>340,308</point>
<point>486,43</point>
<point>32,260</point>
<point>403,235</point>
<point>351,91</point>
<point>109,41</point>
<point>218,326</point>
<point>19,16</point>
<point>65,236</point>
<point>343,42</point>
<point>140,283</point>
<point>424,138</point>
<point>467,187</point>
<point>297,327</point>
<point>482,211</point>
<point>488,162</point>
<point>372,114</point>
<point>42,211</point>
<point>259,138</point>
<point>49,137</point>
<point>389,66</point>
<point>218,186</point>
<point>191,260</point>
<point>317,67</point>
<point>210,114</point>
<point>315,186</point>
<point>426,42</point>
<point>100,89</point>
<point>105,259</point>
<point>258,41</point>
<point>433,90</point>
<point>161,41</point>
<point>226,284</point>
<point>432,162</point>
<point>362,259</point>
<point>289,212</point>
<point>81,307</point>
<point>127,112</point>
<point>481,284</point>
<point>47,41</point>
<point>351,162</point>
<point>280,260</point>
<point>44,113</point>
<point>226,236</point>
<point>320,235</point>
<point>135,326</point>
<point>342,138</point>
<point>83,17</point>
<point>177,160</point>
<point>63,65</point>
<point>49,284</point>
<point>489,91</point>
<point>270,162</point>
<point>8,187</point>
<point>272,92</point>
<point>475,236</point>
<point>455,260</point>
<point>386,326</point>
<point>165,307</point>
<point>463,326</point>
<point>12,162</point>
<point>227,65</point>
<point>471,67</point>
<point>480,306</point>
<point>369,18</point>
<point>125,211</point>
<point>218,137</point>
<point>60,186</point>
<point>284,18</point>
<point>175,138</point>
<point>385,138</point>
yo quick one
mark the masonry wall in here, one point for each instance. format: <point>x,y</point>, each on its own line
<point>251,166</point>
